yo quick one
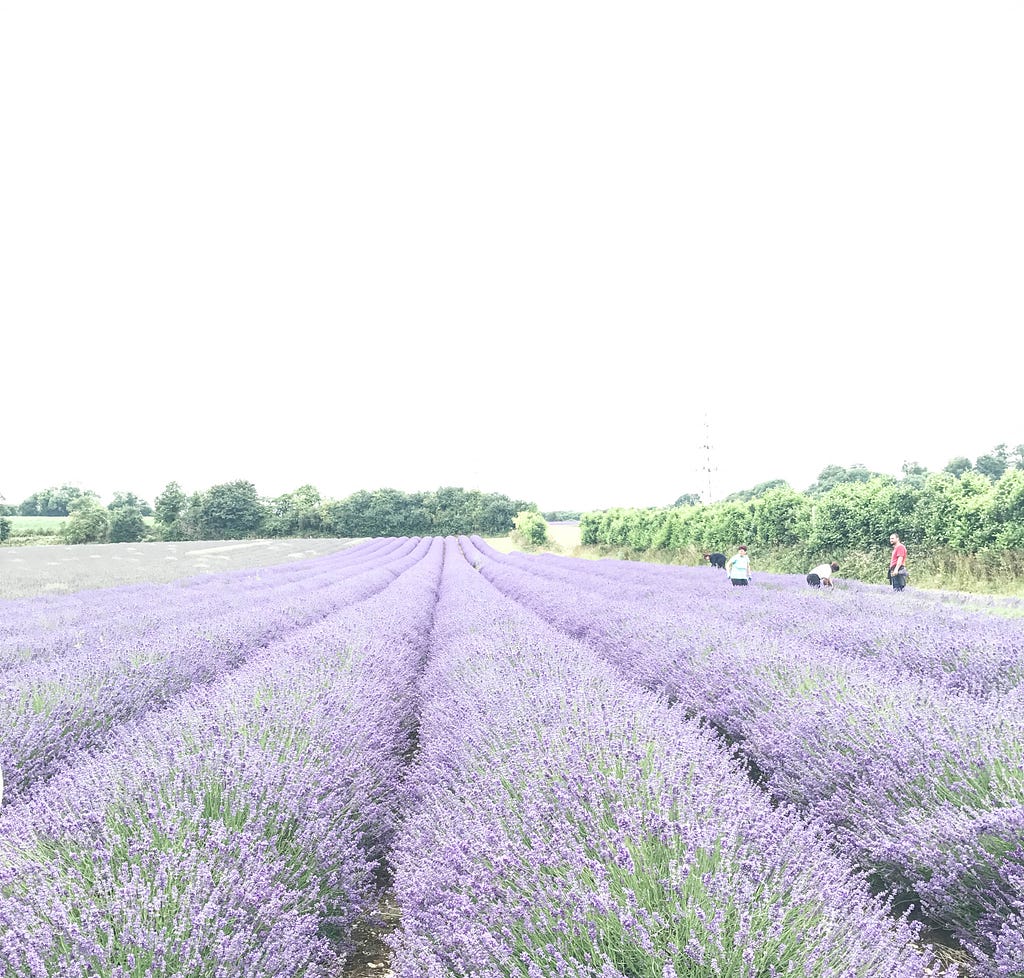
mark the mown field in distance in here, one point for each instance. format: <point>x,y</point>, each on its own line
<point>49,524</point>
<point>565,539</point>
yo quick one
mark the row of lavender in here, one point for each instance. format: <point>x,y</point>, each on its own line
<point>240,831</point>
<point>562,821</point>
<point>917,777</point>
<point>45,627</point>
<point>61,701</point>
<point>962,650</point>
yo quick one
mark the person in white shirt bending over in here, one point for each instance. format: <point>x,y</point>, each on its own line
<point>821,576</point>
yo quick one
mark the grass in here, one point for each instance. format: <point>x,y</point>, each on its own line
<point>564,539</point>
<point>35,524</point>
<point>41,531</point>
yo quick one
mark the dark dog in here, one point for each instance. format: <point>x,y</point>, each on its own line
<point>715,560</point>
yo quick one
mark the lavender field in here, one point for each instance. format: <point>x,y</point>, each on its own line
<point>64,568</point>
<point>547,766</point>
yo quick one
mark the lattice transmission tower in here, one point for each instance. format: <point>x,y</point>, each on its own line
<point>709,467</point>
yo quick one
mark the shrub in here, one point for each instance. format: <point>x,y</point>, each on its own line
<point>88,523</point>
<point>127,525</point>
<point>531,530</point>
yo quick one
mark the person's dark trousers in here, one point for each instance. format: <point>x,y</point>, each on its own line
<point>739,581</point>
<point>814,580</point>
<point>899,581</point>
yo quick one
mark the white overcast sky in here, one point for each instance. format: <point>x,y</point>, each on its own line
<point>531,248</point>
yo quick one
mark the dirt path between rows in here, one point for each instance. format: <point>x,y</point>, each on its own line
<point>372,956</point>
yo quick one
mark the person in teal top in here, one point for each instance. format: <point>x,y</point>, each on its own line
<point>738,568</point>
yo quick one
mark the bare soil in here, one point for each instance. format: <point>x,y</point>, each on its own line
<point>372,956</point>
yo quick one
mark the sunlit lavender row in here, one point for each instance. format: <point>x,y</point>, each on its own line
<point>921,784</point>
<point>564,822</point>
<point>37,628</point>
<point>916,635</point>
<point>242,830</point>
<point>58,706</point>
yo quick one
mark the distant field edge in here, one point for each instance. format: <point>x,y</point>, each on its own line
<point>31,571</point>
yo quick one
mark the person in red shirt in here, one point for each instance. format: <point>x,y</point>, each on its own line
<point>897,563</point>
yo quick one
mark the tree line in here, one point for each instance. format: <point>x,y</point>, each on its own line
<point>967,509</point>
<point>235,510</point>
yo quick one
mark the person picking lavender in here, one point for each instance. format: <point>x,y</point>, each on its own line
<point>821,576</point>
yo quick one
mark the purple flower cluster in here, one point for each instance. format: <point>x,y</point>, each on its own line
<point>919,779</point>
<point>215,777</point>
<point>239,831</point>
<point>563,821</point>
<point>37,628</point>
<point>66,700</point>
<point>925,636</point>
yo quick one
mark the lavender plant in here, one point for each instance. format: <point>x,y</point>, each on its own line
<point>921,783</point>
<point>37,628</point>
<point>564,822</point>
<point>239,832</point>
<point>54,709</point>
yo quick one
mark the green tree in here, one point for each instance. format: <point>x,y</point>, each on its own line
<point>5,528</point>
<point>230,511</point>
<point>296,514</point>
<point>781,517</point>
<point>666,528</point>
<point>170,504</point>
<point>746,495</point>
<point>386,513</point>
<point>835,475</point>
<point>55,501</point>
<point>558,515</point>
<point>1007,510</point>
<point>530,529</point>
<point>186,526</point>
<point>969,527</point>
<point>418,520</point>
<point>993,465</point>
<point>841,522</point>
<point>497,514</point>
<point>349,517</point>
<point>728,525</point>
<point>170,511</point>
<point>687,499</point>
<point>940,496</point>
<point>590,528</point>
<point>958,466</point>
<point>88,522</point>
<point>128,500</point>
<point>127,524</point>
<point>447,506</point>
